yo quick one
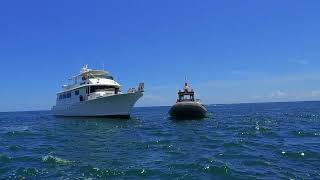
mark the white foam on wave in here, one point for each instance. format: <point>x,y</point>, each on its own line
<point>55,160</point>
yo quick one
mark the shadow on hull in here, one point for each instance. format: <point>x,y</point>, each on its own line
<point>181,118</point>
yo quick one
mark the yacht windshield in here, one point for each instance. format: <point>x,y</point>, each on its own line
<point>101,88</point>
<point>101,76</point>
<point>104,76</point>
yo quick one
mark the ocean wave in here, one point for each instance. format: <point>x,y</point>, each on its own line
<point>15,128</point>
<point>90,171</point>
<point>235,144</point>
<point>54,160</point>
<point>214,168</point>
<point>17,131</point>
<point>255,163</point>
<point>15,147</point>
<point>4,158</point>
<point>218,170</point>
<point>27,173</point>
<point>301,154</point>
<point>304,133</point>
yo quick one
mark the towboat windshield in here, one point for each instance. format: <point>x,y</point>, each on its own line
<point>187,94</point>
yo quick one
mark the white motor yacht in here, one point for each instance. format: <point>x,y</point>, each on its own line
<point>96,93</point>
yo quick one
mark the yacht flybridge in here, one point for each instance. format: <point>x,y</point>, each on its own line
<point>95,93</point>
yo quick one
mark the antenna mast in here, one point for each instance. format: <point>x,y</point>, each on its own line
<point>185,81</point>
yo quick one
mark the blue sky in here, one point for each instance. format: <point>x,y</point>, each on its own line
<point>231,51</point>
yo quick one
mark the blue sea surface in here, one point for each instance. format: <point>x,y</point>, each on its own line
<point>243,141</point>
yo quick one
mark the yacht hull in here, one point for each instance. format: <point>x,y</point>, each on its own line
<point>119,105</point>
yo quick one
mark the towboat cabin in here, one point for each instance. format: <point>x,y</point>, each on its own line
<point>186,94</point>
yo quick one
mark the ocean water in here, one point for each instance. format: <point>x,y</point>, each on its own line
<point>244,141</point>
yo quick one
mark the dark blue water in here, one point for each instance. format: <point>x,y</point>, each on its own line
<point>246,141</point>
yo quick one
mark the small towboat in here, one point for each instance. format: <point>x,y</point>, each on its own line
<point>186,105</point>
